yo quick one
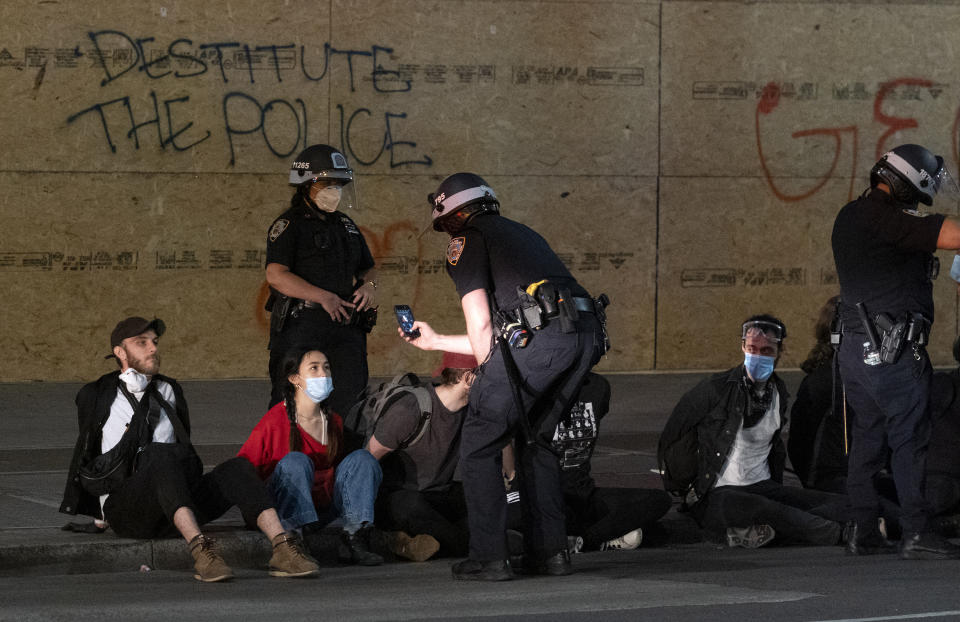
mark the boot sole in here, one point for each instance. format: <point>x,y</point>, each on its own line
<point>294,575</point>
<point>872,550</point>
<point>217,579</point>
<point>483,576</point>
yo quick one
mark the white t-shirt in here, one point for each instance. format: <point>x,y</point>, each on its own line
<point>747,462</point>
<point>121,413</point>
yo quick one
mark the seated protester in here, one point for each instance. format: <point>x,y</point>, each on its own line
<point>722,449</point>
<point>135,417</point>
<point>419,500</point>
<point>943,460</point>
<point>296,449</point>
<point>598,518</point>
<point>818,443</point>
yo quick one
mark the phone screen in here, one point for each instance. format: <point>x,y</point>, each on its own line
<point>405,319</point>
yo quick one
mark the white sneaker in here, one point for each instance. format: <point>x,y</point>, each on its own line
<point>627,541</point>
<point>752,537</point>
<point>574,544</point>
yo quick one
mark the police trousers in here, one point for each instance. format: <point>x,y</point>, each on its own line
<point>893,412</point>
<point>552,368</point>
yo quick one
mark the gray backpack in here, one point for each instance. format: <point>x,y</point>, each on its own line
<point>361,421</point>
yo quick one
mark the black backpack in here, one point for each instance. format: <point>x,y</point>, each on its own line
<point>361,421</point>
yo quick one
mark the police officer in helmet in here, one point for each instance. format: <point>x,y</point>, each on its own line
<point>883,245</point>
<point>537,333</point>
<point>322,276</point>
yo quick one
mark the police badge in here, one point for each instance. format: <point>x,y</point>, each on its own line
<point>278,227</point>
<point>454,249</point>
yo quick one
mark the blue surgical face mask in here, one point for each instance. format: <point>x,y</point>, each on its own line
<point>319,389</point>
<point>758,366</point>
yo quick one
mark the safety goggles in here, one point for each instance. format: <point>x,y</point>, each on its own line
<point>769,330</point>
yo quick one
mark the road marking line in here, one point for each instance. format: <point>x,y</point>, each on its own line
<point>906,616</point>
<point>35,500</point>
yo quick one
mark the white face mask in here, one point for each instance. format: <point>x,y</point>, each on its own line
<point>135,381</point>
<point>327,199</point>
<point>319,389</point>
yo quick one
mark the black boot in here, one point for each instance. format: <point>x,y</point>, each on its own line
<point>472,570</point>
<point>866,539</point>
<point>355,548</point>
<point>556,565</point>
<point>927,545</point>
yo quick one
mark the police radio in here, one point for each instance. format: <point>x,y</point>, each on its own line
<point>512,331</point>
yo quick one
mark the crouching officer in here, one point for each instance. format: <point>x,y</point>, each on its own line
<point>883,246</point>
<point>322,276</point>
<point>537,333</point>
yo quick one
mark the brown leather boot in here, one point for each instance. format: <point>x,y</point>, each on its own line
<point>209,565</point>
<point>290,559</point>
<point>417,548</point>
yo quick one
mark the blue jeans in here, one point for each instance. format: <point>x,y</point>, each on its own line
<point>356,481</point>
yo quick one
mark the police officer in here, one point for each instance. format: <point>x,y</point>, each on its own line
<point>883,246</point>
<point>322,276</point>
<point>493,262</point>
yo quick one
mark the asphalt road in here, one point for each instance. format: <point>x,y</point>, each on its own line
<point>690,582</point>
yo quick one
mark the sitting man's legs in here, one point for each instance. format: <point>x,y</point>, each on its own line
<point>441,515</point>
<point>164,493</point>
<point>738,507</point>
<point>612,515</point>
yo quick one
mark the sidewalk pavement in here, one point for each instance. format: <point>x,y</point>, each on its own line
<point>39,423</point>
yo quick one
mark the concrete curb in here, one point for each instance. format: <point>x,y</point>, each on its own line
<point>48,551</point>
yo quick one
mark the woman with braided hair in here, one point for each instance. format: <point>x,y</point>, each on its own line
<point>297,448</point>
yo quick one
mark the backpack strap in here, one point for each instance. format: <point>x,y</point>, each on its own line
<point>178,428</point>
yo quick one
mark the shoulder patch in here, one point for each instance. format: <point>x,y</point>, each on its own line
<point>916,212</point>
<point>455,249</point>
<point>278,228</point>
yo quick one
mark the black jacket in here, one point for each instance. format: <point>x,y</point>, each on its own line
<point>700,432</point>
<point>817,444</point>
<point>93,408</point>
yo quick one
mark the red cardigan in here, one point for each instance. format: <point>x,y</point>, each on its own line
<point>270,441</point>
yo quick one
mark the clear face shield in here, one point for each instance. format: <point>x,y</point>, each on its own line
<point>947,192</point>
<point>329,195</point>
<point>762,329</point>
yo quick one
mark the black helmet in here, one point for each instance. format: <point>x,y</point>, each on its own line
<point>912,173</point>
<point>457,192</point>
<point>320,162</point>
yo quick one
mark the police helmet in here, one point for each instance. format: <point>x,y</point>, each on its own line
<point>320,162</point>
<point>456,194</point>
<point>912,173</point>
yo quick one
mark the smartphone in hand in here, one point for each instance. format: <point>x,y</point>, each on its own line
<point>405,320</point>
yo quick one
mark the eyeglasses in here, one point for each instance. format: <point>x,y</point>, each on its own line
<point>769,330</point>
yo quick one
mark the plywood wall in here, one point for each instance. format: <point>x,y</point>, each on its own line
<point>687,158</point>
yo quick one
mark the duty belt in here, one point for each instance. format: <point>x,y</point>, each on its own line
<point>584,304</point>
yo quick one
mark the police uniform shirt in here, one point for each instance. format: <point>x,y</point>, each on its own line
<point>325,249</point>
<point>883,252</point>
<point>511,254</point>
